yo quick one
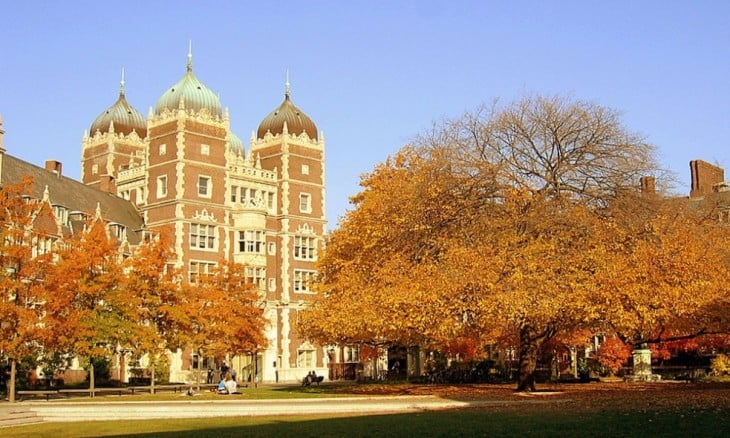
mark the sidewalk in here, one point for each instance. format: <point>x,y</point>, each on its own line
<point>97,411</point>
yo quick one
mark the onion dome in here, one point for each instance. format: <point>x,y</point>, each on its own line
<point>125,118</point>
<point>295,119</point>
<point>236,144</point>
<point>194,93</point>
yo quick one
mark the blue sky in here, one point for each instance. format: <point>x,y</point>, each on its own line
<point>371,74</point>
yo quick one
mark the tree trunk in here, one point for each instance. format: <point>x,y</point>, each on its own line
<point>91,378</point>
<point>152,378</point>
<point>197,371</point>
<point>528,359</point>
<point>11,387</point>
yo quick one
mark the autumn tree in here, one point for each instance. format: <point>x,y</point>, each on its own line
<point>90,310</point>
<point>21,292</point>
<point>223,312</point>
<point>486,225</point>
<point>665,277</point>
<point>151,289</point>
<point>613,354</point>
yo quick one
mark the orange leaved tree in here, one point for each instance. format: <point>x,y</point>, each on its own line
<point>22,295</point>
<point>153,301</point>
<point>665,275</point>
<point>89,310</point>
<point>486,226</point>
<point>223,312</point>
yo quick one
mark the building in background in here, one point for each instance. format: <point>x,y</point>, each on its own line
<point>181,168</point>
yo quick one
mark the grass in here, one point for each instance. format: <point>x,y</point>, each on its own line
<point>644,410</point>
<point>261,393</point>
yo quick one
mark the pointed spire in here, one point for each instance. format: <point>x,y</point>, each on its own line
<point>46,194</point>
<point>190,55</point>
<point>121,84</point>
<point>287,86</point>
<point>98,211</point>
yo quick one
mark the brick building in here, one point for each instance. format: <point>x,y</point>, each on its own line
<point>183,169</point>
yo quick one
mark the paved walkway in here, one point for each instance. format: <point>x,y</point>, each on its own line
<point>190,408</point>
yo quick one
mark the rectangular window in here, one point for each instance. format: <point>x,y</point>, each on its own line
<point>204,188</point>
<point>256,275</point>
<point>272,248</point>
<point>119,231</point>
<point>234,193</point>
<point>305,169</point>
<point>352,354</point>
<point>61,213</point>
<point>305,203</point>
<point>271,201</point>
<point>251,241</point>
<point>303,280</point>
<point>272,284</point>
<point>162,186</point>
<point>94,169</point>
<point>162,149</point>
<point>305,358</point>
<point>305,248</point>
<point>199,270</point>
<point>202,236</point>
<point>204,149</point>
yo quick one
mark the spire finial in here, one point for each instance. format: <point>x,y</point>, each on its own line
<point>287,86</point>
<point>121,84</point>
<point>190,55</point>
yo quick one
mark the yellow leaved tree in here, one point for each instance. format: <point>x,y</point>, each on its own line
<point>489,224</point>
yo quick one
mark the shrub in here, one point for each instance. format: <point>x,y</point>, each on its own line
<point>612,355</point>
<point>720,365</point>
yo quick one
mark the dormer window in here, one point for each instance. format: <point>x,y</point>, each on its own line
<point>118,230</point>
<point>61,213</point>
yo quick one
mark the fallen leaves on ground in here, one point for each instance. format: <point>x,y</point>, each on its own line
<point>648,397</point>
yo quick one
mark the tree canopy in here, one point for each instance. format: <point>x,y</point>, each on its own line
<point>505,222</point>
<point>83,297</point>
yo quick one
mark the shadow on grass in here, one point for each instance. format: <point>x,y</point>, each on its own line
<point>464,422</point>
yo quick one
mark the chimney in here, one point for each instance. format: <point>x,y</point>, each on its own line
<point>54,166</point>
<point>648,186</point>
<point>705,177</point>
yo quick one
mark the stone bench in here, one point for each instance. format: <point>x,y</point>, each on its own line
<point>92,393</point>
<point>36,393</point>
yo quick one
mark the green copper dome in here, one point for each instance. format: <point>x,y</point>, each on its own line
<point>194,93</point>
<point>236,144</point>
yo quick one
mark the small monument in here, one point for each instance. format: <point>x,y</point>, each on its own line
<point>642,366</point>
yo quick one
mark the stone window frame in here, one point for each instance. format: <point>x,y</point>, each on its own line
<point>208,186</point>
<point>161,186</point>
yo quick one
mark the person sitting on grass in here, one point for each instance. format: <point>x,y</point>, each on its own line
<point>221,389</point>
<point>231,386</point>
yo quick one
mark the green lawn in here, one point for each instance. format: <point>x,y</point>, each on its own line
<point>444,423</point>
<point>642,410</point>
